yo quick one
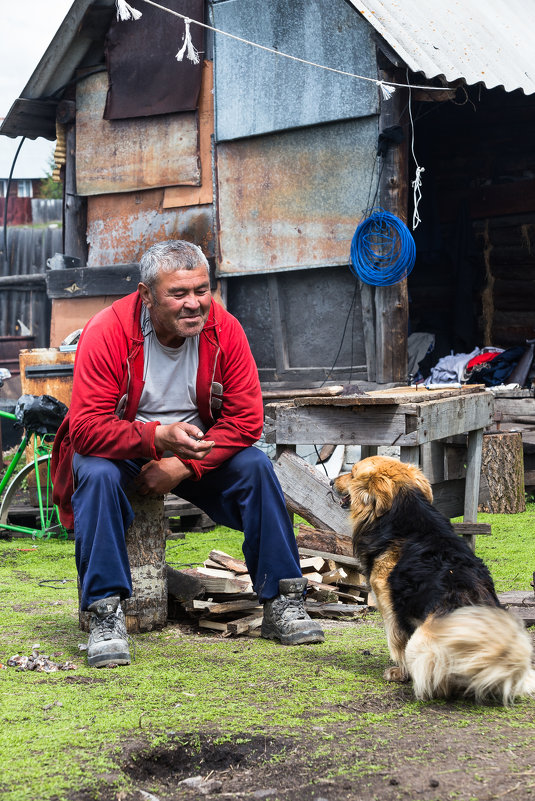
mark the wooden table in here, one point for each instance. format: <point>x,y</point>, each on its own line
<point>419,421</point>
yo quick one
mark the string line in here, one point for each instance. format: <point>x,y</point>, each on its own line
<point>288,55</point>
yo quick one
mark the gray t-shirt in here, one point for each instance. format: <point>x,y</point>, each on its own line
<point>170,376</point>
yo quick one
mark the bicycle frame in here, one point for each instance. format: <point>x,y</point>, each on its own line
<point>48,512</point>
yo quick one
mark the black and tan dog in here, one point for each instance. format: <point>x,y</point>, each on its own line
<point>445,627</point>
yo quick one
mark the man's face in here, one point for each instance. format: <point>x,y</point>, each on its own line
<point>178,304</point>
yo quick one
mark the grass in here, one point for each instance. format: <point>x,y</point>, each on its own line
<point>62,731</point>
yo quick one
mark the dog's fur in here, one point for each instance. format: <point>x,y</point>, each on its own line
<point>445,627</point>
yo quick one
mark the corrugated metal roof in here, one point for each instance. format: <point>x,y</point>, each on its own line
<point>481,41</point>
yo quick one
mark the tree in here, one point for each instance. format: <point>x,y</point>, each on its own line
<point>50,188</point>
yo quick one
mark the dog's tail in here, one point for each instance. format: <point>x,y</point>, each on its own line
<point>481,651</point>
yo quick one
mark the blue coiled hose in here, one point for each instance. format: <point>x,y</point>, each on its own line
<point>382,250</point>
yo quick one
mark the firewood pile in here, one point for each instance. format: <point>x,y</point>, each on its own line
<point>219,595</point>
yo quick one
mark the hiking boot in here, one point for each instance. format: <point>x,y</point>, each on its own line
<point>107,634</point>
<point>285,618</point>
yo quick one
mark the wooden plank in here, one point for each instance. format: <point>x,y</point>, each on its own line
<point>340,559</point>
<point>312,563</point>
<point>335,610</point>
<point>392,395</point>
<point>116,279</point>
<point>309,494</point>
<point>219,583</point>
<point>357,425</point>
<point>225,607</point>
<point>471,529</point>
<point>245,624</point>
<point>221,558</point>
<point>447,417</point>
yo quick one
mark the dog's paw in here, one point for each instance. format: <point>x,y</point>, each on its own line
<point>395,674</point>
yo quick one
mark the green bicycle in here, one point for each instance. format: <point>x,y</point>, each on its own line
<point>36,474</point>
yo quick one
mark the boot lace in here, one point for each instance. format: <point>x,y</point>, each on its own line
<point>289,608</point>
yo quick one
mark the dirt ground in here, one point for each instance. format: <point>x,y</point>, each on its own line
<point>445,750</point>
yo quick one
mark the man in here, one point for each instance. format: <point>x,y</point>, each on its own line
<point>166,397</point>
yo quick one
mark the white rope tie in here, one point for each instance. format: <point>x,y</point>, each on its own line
<point>188,46</point>
<point>386,90</point>
<point>126,12</point>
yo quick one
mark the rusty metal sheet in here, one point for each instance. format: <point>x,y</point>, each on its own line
<point>293,200</point>
<point>121,227</point>
<point>129,155</point>
<point>259,92</point>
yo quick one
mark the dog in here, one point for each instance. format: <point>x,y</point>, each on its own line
<point>445,626</point>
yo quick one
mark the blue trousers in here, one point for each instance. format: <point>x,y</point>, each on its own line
<point>243,494</point>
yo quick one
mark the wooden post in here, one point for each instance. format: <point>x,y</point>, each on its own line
<point>473,472</point>
<point>146,609</point>
<point>391,302</point>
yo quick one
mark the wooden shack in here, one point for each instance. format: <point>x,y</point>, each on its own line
<point>269,164</point>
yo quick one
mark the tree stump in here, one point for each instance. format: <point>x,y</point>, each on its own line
<point>146,609</point>
<point>502,474</point>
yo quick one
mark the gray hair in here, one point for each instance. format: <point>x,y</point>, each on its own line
<point>176,254</point>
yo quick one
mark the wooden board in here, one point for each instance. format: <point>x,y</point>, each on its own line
<point>393,395</point>
<point>309,494</point>
<point>367,423</point>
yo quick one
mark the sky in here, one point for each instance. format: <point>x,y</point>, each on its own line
<point>27,29</point>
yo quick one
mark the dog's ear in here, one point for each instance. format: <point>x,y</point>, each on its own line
<point>382,490</point>
<point>420,482</point>
<point>376,490</point>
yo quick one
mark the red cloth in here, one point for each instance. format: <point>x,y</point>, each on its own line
<point>481,358</point>
<point>109,366</point>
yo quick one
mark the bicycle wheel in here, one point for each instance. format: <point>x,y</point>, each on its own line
<point>48,515</point>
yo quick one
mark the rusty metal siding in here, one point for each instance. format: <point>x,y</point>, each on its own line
<point>130,155</point>
<point>28,251</point>
<point>258,92</point>
<point>121,227</point>
<point>293,199</point>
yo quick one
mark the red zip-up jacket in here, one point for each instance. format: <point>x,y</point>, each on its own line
<point>108,375</point>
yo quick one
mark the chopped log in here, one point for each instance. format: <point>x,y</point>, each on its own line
<point>338,558</point>
<point>220,581</point>
<point>336,610</point>
<point>312,576</point>
<point>225,607</point>
<point>312,563</point>
<point>318,539</point>
<point>336,576</point>
<point>245,624</point>
<point>216,625</point>
<point>221,558</point>
<point>502,468</point>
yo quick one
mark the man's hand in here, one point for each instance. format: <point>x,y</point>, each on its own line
<point>157,478</point>
<point>183,439</point>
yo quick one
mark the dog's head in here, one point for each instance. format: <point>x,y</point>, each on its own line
<point>373,484</point>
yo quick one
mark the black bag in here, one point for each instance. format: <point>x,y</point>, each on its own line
<point>39,414</point>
